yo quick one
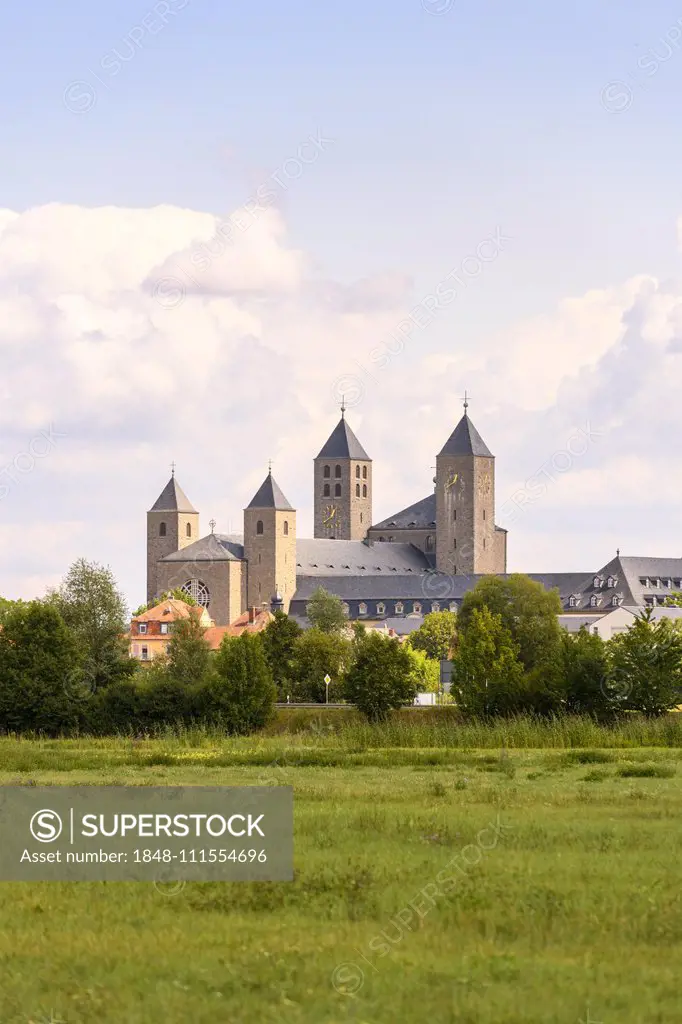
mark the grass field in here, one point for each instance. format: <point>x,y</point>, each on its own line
<point>440,882</point>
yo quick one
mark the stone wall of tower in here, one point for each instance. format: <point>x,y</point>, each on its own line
<point>225,581</point>
<point>353,515</point>
<point>270,555</point>
<point>176,538</point>
<point>466,539</point>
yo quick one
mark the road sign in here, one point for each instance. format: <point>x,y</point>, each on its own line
<point>327,679</point>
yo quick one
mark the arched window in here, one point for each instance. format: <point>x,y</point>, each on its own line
<point>162,529</point>
<point>357,472</point>
<point>364,472</point>
<point>188,529</point>
<point>357,490</point>
<point>198,590</point>
<point>417,608</point>
<point>326,491</point>
<point>286,528</point>
<point>337,471</point>
<point>435,606</point>
<point>364,490</point>
<point>259,526</point>
<point>362,608</point>
<point>399,607</point>
<point>337,490</point>
<point>429,543</point>
<point>381,608</point>
<point>327,471</point>
<point>346,608</point>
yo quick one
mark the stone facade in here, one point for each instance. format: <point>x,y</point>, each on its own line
<point>225,581</point>
<point>270,555</point>
<point>342,498</point>
<point>167,531</point>
<point>467,541</point>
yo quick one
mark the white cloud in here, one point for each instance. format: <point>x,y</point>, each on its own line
<point>239,364</point>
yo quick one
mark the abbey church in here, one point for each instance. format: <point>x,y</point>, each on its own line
<point>422,559</point>
<point>389,568</point>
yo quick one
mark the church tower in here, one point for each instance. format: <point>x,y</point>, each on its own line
<point>172,524</point>
<point>270,546</point>
<point>343,486</point>
<point>467,540</point>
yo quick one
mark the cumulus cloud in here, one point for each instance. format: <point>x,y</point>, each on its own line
<point>148,335</point>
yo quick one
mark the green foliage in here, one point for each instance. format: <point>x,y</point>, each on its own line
<point>325,612</point>
<point>39,671</point>
<point>92,607</point>
<point>488,677</point>
<point>381,677</point>
<point>436,635</point>
<point>176,595</point>
<point>240,693</point>
<point>674,600</point>
<point>585,666</point>
<point>279,642</point>
<point>189,655</point>
<point>425,671</point>
<point>317,654</point>
<point>646,665</point>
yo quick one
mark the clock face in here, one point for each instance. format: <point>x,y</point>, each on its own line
<point>330,515</point>
<point>486,484</point>
<point>455,483</point>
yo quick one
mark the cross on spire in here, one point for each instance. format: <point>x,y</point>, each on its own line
<point>173,468</point>
<point>343,407</point>
<point>466,401</point>
<point>269,467</point>
<point>212,524</point>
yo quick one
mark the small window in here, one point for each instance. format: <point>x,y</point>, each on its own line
<point>390,538</point>
<point>381,608</point>
<point>429,543</point>
<point>364,490</point>
<point>326,491</point>
<point>615,600</point>
<point>416,607</point>
<point>572,602</point>
<point>142,627</point>
<point>611,582</point>
<point>453,606</point>
<point>162,529</point>
<point>286,528</point>
<point>188,529</point>
<point>164,627</point>
<point>454,515</point>
<point>361,517</point>
<point>399,607</point>
<point>484,513</point>
<point>327,471</point>
<point>357,490</point>
<point>362,608</point>
<point>337,471</point>
<point>364,472</point>
<point>597,582</point>
<point>346,608</point>
<point>484,542</point>
<point>357,472</point>
<point>145,654</point>
<point>435,607</point>
<point>259,526</point>
<point>454,543</point>
<point>259,559</point>
<point>337,490</point>
<point>593,601</point>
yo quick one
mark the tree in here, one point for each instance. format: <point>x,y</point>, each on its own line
<point>39,671</point>
<point>189,654</point>
<point>487,675</point>
<point>436,635</point>
<point>279,642</point>
<point>94,610</point>
<point>645,670</point>
<point>585,667</point>
<point>674,600</point>
<point>317,654</point>
<point>530,613</point>
<point>380,678</point>
<point>240,693</point>
<point>325,612</point>
<point>175,595</point>
<point>425,671</point>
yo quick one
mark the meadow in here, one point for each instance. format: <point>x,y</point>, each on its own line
<point>559,842</point>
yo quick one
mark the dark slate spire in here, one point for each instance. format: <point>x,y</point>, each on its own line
<point>269,495</point>
<point>343,444</point>
<point>465,439</point>
<point>172,498</point>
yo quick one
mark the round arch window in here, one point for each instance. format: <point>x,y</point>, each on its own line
<point>197,590</point>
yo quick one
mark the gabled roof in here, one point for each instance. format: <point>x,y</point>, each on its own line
<point>419,516</point>
<point>217,547</point>
<point>169,610</point>
<point>465,440</point>
<point>343,444</point>
<point>172,499</point>
<point>270,495</point>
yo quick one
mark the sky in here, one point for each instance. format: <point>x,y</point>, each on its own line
<point>216,219</point>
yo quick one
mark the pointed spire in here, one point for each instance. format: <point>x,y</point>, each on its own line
<point>342,443</point>
<point>172,498</point>
<point>465,439</point>
<point>270,495</point>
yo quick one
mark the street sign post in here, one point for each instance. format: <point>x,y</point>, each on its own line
<point>327,681</point>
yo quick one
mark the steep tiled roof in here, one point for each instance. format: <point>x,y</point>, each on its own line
<point>270,495</point>
<point>343,444</point>
<point>419,516</point>
<point>465,440</point>
<point>172,499</point>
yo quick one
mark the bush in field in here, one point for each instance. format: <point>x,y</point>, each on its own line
<point>315,655</point>
<point>240,693</point>
<point>585,665</point>
<point>645,671</point>
<point>40,688</point>
<point>279,643</point>
<point>381,677</point>
<point>436,635</point>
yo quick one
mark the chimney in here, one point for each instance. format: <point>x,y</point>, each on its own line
<point>252,614</point>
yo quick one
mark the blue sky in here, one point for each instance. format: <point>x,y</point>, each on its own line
<point>544,120</point>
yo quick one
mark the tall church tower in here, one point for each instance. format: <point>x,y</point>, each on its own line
<point>270,546</point>
<point>342,486</point>
<point>467,540</point>
<point>172,524</point>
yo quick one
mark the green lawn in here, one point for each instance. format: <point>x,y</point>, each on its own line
<point>564,901</point>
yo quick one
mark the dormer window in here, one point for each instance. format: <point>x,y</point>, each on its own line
<point>346,608</point>
<point>594,601</point>
<point>399,607</point>
<point>597,582</point>
<point>435,606</point>
<point>611,582</point>
<point>362,608</point>
<point>381,608</point>
<point>142,627</point>
<point>615,600</point>
<point>453,606</point>
<point>417,608</point>
<point>572,601</point>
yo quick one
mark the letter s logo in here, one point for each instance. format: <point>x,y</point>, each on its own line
<point>46,826</point>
